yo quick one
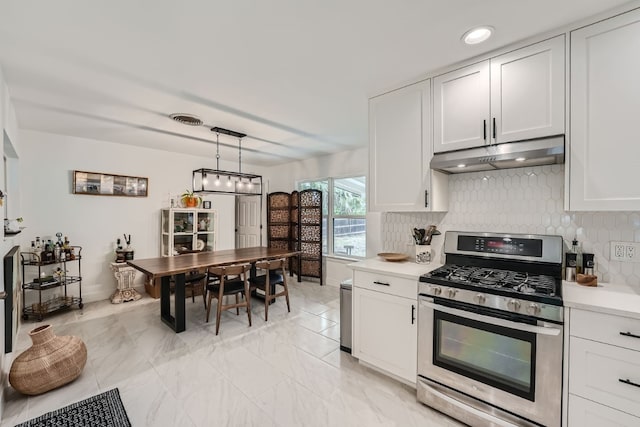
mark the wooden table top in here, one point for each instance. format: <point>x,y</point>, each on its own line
<point>165,266</point>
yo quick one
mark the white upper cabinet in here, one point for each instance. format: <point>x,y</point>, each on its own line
<point>605,102</point>
<point>512,97</point>
<point>461,108</point>
<point>400,151</point>
<point>527,92</point>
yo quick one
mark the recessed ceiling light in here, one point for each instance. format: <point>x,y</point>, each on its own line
<point>461,165</point>
<point>477,35</point>
<point>520,159</point>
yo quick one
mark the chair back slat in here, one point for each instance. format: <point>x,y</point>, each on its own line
<point>272,264</point>
<point>229,270</point>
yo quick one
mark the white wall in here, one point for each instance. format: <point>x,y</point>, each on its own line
<point>95,222</point>
<point>11,147</point>
<point>347,163</point>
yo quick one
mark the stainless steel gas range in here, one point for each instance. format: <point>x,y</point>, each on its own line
<point>490,330</point>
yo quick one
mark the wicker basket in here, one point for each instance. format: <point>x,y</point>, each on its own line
<point>49,363</point>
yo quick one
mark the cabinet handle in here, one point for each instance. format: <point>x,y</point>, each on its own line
<point>426,198</point>
<point>381,283</point>
<point>484,130</point>
<point>413,314</point>
<point>628,382</point>
<point>629,334</point>
<point>494,128</point>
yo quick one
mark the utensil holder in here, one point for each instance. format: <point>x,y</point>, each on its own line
<point>423,254</point>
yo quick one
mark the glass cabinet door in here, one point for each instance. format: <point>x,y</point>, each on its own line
<point>206,234</point>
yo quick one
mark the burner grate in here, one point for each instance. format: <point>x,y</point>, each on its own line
<point>514,281</point>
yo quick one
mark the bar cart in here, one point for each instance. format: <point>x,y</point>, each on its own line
<point>43,275</point>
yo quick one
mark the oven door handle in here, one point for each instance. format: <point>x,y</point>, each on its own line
<point>541,330</point>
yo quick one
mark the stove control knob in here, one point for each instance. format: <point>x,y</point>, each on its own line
<point>513,305</point>
<point>480,298</point>
<point>452,292</point>
<point>533,309</point>
<point>436,290</point>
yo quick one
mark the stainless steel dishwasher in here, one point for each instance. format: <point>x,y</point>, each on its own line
<point>345,315</point>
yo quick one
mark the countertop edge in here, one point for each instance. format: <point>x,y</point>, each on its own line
<point>404,269</point>
<point>615,299</point>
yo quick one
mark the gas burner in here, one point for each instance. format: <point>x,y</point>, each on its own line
<point>491,278</point>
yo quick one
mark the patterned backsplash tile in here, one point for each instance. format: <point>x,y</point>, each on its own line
<point>524,200</point>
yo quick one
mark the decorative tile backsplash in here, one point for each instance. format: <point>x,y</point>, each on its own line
<point>524,200</point>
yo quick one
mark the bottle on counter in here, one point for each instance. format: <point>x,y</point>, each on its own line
<point>576,249</point>
<point>570,267</point>
<point>588,263</point>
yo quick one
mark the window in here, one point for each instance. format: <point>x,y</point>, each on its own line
<point>345,210</point>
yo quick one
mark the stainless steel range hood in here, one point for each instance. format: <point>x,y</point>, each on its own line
<point>533,152</point>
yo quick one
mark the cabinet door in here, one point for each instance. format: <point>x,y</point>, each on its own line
<point>385,332</point>
<point>527,92</point>
<point>205,239</point>
<point>605,373</point>
<point>585,413</point>
<point>399,128</point>
<point>461,108</point>
<point>605,101</point>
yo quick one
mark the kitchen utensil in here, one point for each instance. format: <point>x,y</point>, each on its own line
<point>431,231</point>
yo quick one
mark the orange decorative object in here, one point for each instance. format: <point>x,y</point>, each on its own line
<point>51,362</point>
<point>191,202</point>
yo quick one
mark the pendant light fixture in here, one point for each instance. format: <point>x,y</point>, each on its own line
<point>226,182</point>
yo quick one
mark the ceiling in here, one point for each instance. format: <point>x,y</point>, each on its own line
<point>294,75</point>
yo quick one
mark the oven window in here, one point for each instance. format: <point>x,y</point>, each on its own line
<point>500,357</point>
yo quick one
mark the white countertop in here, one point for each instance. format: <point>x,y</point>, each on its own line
<point>621,300</point>
<point>406,269</point>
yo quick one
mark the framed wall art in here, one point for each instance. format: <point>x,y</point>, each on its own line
<point>104,184</point>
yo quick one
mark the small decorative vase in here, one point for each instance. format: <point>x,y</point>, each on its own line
<point>51,362</point>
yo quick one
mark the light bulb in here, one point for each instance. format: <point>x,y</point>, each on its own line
<point>217,181</point>
<point>205,181</point>
<point>229,182</point>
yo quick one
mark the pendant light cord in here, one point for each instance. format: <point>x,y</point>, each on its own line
<point>239,155</point>
<point>217,151</point>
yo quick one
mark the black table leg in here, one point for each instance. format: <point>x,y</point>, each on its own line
<point>176,323</point>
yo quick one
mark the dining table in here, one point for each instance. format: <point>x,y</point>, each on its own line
<point>177,266</point>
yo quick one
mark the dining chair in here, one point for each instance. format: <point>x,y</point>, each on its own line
<point>275,275</point>
<point>224,281</point>
<point>195,280</point>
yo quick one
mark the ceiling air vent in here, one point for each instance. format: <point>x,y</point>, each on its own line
<point>186,119</point>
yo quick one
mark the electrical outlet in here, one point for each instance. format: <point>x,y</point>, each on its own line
<point>625,251</point>
<point>630,252</point>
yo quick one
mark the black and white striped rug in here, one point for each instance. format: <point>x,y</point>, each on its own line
<point>102,410</point>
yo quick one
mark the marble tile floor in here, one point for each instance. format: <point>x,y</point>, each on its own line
<point>288,371</point>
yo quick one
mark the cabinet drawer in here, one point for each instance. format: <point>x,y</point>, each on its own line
<point>387,284</point>
<point>596,371</point>
<point>606,328</point>
<point>585,413</point>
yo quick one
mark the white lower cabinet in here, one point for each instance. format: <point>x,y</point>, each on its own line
<point>585,413</point>
<point>385,331</point>
<point>604,370</point>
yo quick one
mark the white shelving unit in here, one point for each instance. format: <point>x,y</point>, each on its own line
<point>187,230</point>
